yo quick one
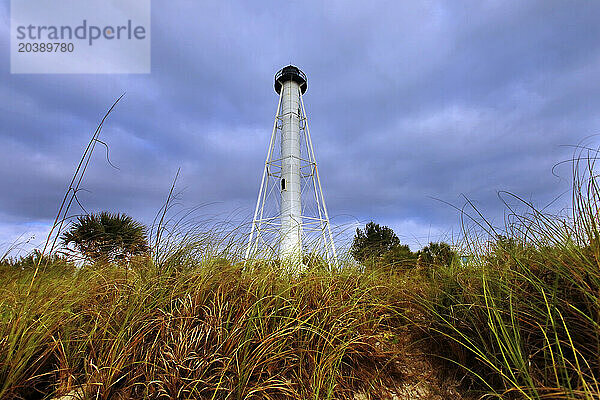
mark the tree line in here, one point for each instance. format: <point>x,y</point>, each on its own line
<point>378,246</point>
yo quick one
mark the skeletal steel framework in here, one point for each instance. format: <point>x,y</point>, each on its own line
<point>274,218</point>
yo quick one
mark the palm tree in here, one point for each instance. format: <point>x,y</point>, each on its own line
<point>107,237</point>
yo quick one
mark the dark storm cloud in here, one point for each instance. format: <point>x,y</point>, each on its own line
<point>408,102</point>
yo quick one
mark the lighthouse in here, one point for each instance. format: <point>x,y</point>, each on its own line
<point>290,219</point>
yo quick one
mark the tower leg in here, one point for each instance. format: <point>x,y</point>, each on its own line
<point>260,202</point>
<point>320,199</point>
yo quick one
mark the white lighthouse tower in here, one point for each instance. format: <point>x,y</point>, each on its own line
<point>290,219</point>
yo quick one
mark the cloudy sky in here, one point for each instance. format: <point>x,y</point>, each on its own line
<point>411,104</point>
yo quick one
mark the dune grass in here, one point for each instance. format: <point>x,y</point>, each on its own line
<point>523,316</point>
<point>207,331</point>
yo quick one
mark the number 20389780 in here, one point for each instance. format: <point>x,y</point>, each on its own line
<point>50,47</point>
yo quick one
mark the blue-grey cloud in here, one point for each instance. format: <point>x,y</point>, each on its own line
<point>408,102</point>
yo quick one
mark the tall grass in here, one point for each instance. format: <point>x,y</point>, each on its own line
<point>210,330</point>
<point>523,317</point>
